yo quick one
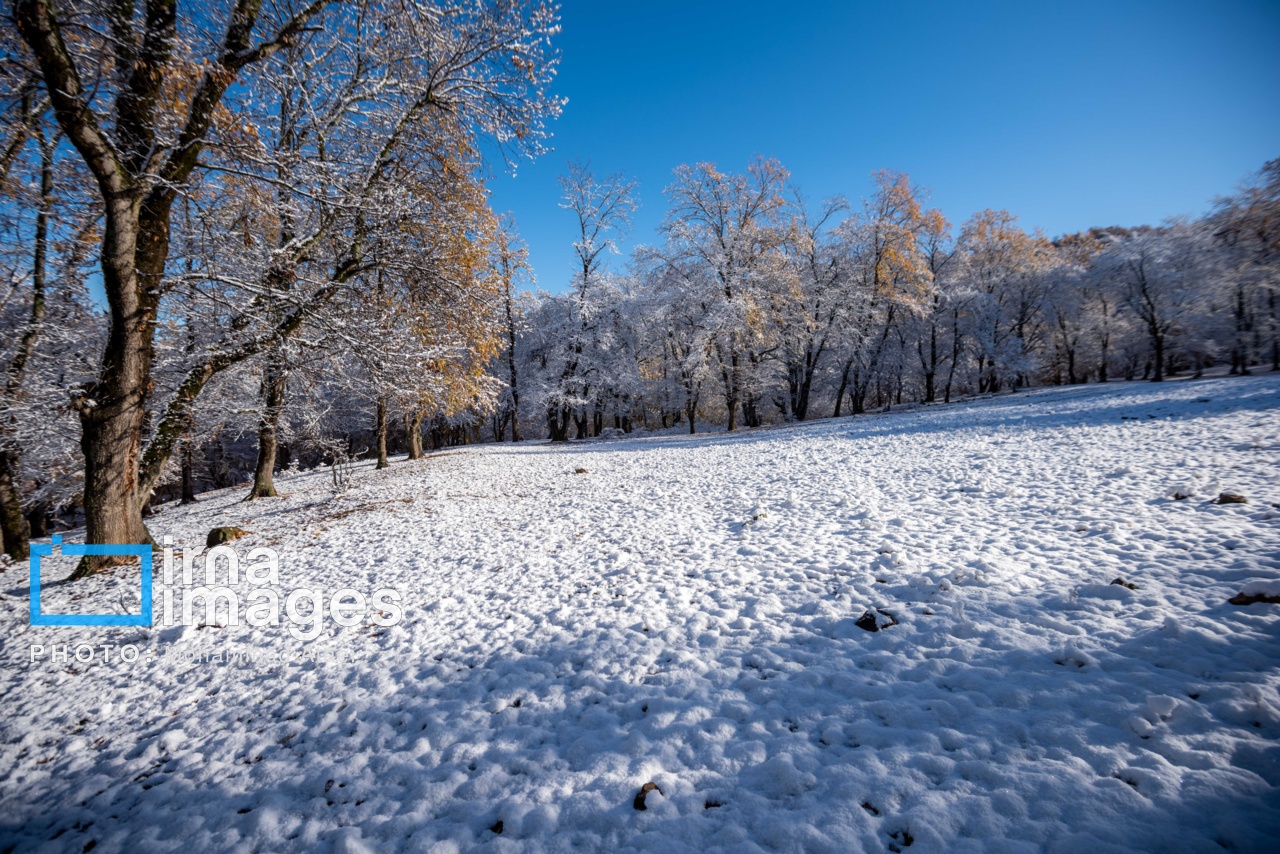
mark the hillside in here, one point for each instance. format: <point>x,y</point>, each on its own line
<point>581,620</point>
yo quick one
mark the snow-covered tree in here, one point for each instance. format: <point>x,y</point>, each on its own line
<point>725,235</point>
<point>1167,278</point>
<point>583,375</point>
<point>141,94</point>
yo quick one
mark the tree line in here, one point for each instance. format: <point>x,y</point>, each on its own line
<point>758,306</point>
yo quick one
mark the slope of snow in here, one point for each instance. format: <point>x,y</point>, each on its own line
<point>685,613</point>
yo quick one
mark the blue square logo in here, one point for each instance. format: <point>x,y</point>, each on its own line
<point>142,552</point>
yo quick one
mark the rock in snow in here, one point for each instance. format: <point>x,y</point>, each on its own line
<point>639,803</point>
<point>875,620</point>
<point>224,534</point>
<point>1258,591</point>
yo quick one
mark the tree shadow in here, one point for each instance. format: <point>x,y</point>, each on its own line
<point>819,736</point>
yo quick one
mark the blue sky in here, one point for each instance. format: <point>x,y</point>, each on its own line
<point>1068,115</point>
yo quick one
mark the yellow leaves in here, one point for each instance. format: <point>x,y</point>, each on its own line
<point>994,245</point>
<point>754,314</point>
<point>935,224</point>
<point>446,286</point>
<point>1080,248</point>
<point>991,227</point>
<point>896,227</point>
<point>895,198</point>
<point>769,173</point>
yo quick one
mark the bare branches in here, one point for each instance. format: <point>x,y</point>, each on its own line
<point>603,208</point>
<point>39,27</point>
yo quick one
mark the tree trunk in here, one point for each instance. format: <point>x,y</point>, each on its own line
<point>806,389</point>
<point>110,440</point>
<point>38,520</point>
<point>1240,354</point>
<point>274,379</point>
<point>413,433</point>
<point>857,400</point>
<point>380,429</point>
<point>1275,332</point>
<point>13,525</point>
<point>512,375</point>
<point>558,423</point>
<point>931,375</point>
<point>955,354</point>
<point>844,384</point>
<point>113,409</point>
<point>515,416</point>
<point>188,472</point>
<point>731,384</point>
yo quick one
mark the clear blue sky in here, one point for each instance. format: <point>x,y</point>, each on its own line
<point>1069,115</point>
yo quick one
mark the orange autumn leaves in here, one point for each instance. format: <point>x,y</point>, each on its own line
<point>448,296</point>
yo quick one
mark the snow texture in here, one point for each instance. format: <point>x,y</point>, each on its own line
<point>685,614</point>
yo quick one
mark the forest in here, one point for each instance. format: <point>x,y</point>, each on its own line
<point>234,245</point>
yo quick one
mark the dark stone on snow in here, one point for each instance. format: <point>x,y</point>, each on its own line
<point>1242,599</point>
<point>1232,498</point>
<point>643,793</point>
<point>1127,584</point>
<point>218,536</point>
<point>871,623</point>
<point>580,470</point>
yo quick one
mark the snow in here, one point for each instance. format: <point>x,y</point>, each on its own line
<point>1262,587</point>
<point>685,613</point>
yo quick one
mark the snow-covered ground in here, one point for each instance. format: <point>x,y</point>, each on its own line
<point>684,613</point>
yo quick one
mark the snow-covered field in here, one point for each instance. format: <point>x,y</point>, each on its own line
<point>684,613</point>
